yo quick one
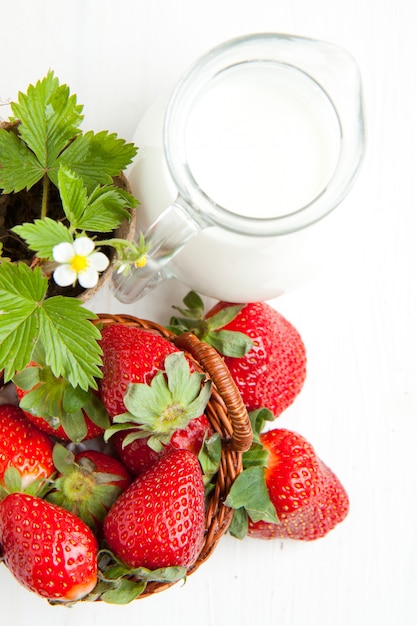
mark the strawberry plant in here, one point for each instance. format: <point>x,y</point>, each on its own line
<point>62,199</point>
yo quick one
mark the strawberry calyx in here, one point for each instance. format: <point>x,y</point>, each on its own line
<point>14,482</point>
<point>209,329</point>
<point>57,402</point>
<point>119,584</point>
<point>81,488</point>
<point>249,496</point>
<point>168,403</point>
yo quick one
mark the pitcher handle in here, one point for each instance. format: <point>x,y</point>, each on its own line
<point>176,225</point>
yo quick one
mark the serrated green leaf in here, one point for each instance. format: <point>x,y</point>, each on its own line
<point>97,158</point>
<point>21,293</point>
<point>19,285</point>
<point>70,341</point>
<point>42,235</point>
<point>250,492</point>
<point>73,195</point>
<point>49,116</point>
<point>19,168</point>
<point>18,335</point>
<point>106,209</point>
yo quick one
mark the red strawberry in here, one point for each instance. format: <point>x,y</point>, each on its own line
<point>130,355</point>
<point>153,394</point>
<point>48,550</point>
<point>269,370</point>
<point>305,494</point>
<point>159,520</point>
<point>88,483</point>
<point>23,446</point>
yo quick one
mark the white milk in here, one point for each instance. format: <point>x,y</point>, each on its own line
<point>262,142</point>
<point>259,145</point>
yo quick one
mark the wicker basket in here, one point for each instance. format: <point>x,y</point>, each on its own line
<point>228,417</point>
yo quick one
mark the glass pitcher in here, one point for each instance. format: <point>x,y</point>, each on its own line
<point>240,170</point>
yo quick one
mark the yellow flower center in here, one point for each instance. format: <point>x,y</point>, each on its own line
<point>79,263</point>
<point>141,262</point>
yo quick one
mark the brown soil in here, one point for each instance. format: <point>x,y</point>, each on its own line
<point>25,206</point>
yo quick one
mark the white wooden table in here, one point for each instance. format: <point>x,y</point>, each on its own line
<point>358,318</point>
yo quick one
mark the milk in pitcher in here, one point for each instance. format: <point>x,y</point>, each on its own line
<point>261,143</point>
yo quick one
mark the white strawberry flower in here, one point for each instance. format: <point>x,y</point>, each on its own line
<point>78,261</point>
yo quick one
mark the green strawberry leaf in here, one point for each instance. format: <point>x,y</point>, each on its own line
<point>70,341</point>
<point>19,167</point>
<point>63,459</point>
<point>74,425</point>
<point>61,324</point>
<point>250,492</point>
<point>106,209</point>
<point>50,118</point>
<point>168,403</point>
<point>193,302</point>
<point>21,293</point>
<point>48,135</point>
<point>101,211</point>
<point>96,158</point>
<point>73,195</point>
<point>42,235</point>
